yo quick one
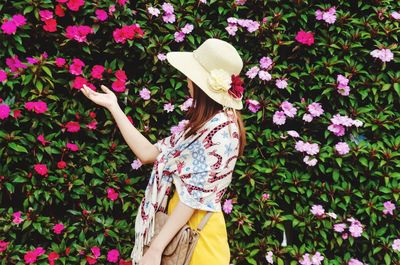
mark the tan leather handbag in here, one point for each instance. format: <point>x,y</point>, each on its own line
<point>180,249</point>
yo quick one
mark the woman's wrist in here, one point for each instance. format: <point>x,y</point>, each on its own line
<point>113,107</point>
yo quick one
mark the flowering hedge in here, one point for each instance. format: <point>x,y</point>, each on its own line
<point>319,182</point>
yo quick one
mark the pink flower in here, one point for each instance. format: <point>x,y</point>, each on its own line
<point>355,229</point>
<point>293,133</point>
<point>60,61</point>
<point>95,251</point>
<point>227,207</point>
<point>307,117</point>
<point>17,217</point>
<point>253,105</point>
<point>264,75</point>
<point>167,8</point>
<point>311,162</point>
<point>3,76</point>
<point>179,36</point>
<point>97,71</point>
<point>3,245</point>
<point>305,260</point>
<point>118,85</point>
<point>101,14</point>
<point>342,148</point>
<point>265,196</point>
<point>58,228</point>
<point>252,72</point>
<point>72,147</point>
<point>76,67</point>
<point>169,107</point>
<point>78,33</point>
<point>385,55</point>
<point>4,111</point>
<point>45,15</point>
<point>38,107</point>
<point>153,11</point>
<point>354,262</point>
<point>317,258</point>
<point>338,130</point>
<point>120,75</point>
<point>72,126</point>
<point>266,63</point>
<point>305,37</point>
<point>396,245</point>
<point>19,20</point>
<point>113,255</point>
<point>317,210</point>
<point>74,5</point>
<point>144,93</point>
<point>315,109</point>
<point>9,27</point>
<point>288,109</point>
<point>187,104</point>
<point>136,164</point>
<point>31,256</point>
<point>389,207</point>
<point>279,118</point>
<point>41,169</point>
<point>112,194</point>
<point>281,83</point>
<point>339,227</point>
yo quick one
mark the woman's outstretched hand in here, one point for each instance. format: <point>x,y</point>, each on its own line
<point>107,99</point>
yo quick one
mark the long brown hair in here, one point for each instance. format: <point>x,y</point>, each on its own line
<point>203,109</point>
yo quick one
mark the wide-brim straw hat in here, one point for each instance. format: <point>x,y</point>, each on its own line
<point>214,59</point>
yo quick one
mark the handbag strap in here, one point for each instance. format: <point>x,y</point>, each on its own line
<point>204,221</point>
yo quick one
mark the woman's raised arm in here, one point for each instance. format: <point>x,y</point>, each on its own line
<point>144,150</point>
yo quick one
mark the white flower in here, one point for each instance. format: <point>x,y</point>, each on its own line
<point>219,80</point>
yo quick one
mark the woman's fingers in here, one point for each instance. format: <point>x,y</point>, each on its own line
<point>105,89</point>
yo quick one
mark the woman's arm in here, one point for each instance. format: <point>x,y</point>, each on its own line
<point>179,217</point>
<point>145,151</point>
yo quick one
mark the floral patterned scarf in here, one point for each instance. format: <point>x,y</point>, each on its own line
<point>201,168</point>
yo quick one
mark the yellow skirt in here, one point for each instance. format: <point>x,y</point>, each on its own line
<point>212,246</point>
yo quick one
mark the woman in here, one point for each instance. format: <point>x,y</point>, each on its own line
<point>199,160</point>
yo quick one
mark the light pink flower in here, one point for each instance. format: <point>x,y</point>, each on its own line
<point>252,72</point>
<point>253,105</point>
<point>389,207</point>
<point>169,107</point>
<point>288,109</point>
<point>317,210</point>
<point>153,11</point>
<point>396,245</point>
<point>136,164</point>
<point>342,148</point>
<point>279,118</point>
<point>315,109</point>
<point>281,83</point>
<point>311,162</point>
<point>227,207</point>
<point>265,63</point>
<point>145,93</point>
<point>339,227</point>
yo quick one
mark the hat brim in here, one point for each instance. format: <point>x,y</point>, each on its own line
<point>191,68</point>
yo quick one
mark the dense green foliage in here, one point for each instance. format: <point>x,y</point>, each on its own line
<point>356,184</point>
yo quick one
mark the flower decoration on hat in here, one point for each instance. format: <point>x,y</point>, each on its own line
<point>221,81</point>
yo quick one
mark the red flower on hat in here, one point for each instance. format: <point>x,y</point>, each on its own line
<point>236,89</point>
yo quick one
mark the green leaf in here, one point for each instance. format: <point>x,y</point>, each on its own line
<point>17,147</point>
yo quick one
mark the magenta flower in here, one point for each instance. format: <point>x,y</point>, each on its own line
<point>72,126</point>
<point>72,147</point>
<point>305,37</point>
<point>4,111</point>
<point>112,194</point>
<point>17,217</point>
<point>101,14</point>
<point>58,228</point>
<point>97,71</point>
<point>38,107</point>
<point>41,169</point>
<point>78,33</point>
<point>3,245</point>
<point>113,255</point>
<point>76,67</point>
